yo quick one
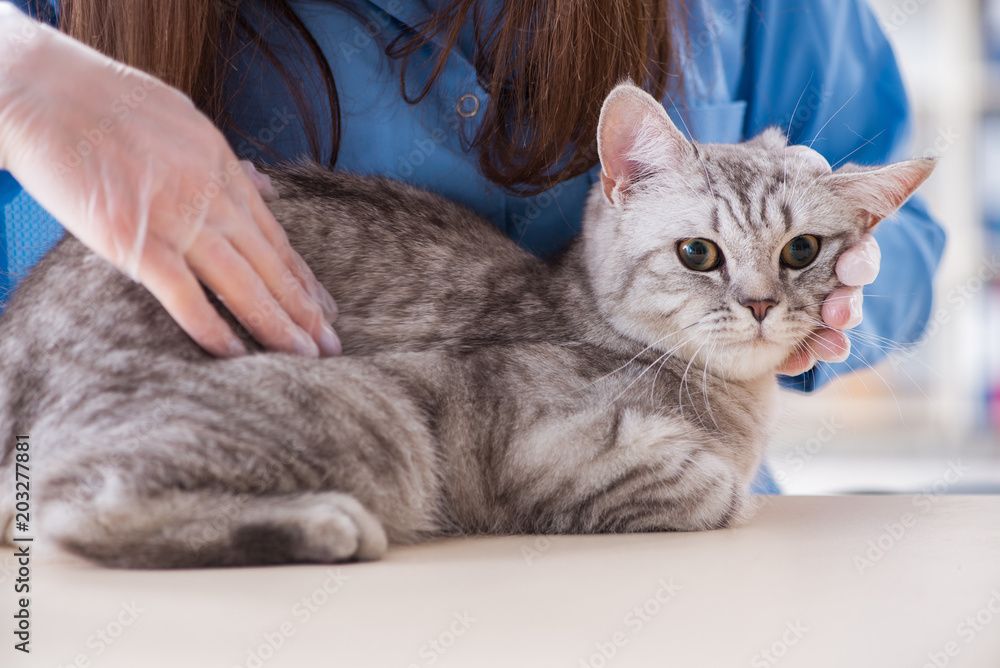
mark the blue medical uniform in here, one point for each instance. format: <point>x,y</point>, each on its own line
<point>822,70</point>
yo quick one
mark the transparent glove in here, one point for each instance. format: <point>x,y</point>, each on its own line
<point>857,266</point>
<point>133,170</point>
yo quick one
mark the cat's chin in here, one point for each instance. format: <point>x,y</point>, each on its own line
<point>750,359</point>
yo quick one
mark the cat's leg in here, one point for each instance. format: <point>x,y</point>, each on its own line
<point>605,471</point>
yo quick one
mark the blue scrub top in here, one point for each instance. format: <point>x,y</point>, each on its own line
<point>822,70</point>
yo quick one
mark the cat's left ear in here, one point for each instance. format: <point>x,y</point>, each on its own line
<point>635,138</point>
<point>880,192</point>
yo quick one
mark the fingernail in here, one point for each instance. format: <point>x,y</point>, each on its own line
<point>235,346</point>
<point>859,266</point>
<point>844,354</point>
<point>329,342</point>
<point>304,345</point>
<point>858,271</point>
<point>260,181</point>
<point>323,299</point>
<point>857,313</point>
<point>329,305</point>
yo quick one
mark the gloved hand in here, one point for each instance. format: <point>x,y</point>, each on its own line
<point>857,266</point>
<point>133,170</point>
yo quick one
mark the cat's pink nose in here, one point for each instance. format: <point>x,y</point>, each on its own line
<point>759,307</point>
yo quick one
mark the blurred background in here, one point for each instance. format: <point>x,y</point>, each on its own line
<point>928,419</point>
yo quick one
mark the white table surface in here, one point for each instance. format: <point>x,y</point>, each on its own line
<point>793,583</point>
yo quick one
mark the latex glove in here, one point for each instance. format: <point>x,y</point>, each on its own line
<point>133,170</point>
<point>856,267</point>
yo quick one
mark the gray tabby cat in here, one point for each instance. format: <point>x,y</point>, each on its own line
<point>626,385</point>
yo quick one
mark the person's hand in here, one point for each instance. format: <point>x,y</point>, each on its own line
<point>133,170</point>
<point>857,266</point>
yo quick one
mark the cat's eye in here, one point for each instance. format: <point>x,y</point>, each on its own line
<point>699,254</point>
<point>800,251</point>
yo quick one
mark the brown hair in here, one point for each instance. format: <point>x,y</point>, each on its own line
<point>546,66</point>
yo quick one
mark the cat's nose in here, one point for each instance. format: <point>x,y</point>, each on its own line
<point>759,307</point>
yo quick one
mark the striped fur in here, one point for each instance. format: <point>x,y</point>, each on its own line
<point>482,390</point>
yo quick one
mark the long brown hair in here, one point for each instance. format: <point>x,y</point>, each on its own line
<point>546,66</point>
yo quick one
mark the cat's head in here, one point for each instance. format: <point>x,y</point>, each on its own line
<point>723,253</point>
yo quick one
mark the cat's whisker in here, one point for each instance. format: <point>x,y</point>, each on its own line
<point>687,130</point>
<point>788,131</point>
<point>704,380</point>
<point>866,143</point>
<point>638,355</point>
<point>685,384</point>
<point>886,344</point>
<point>834,115</point>
<point>861,358</point>
<point>664,356</point>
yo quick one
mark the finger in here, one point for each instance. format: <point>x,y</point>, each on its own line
<point>285,288</point>
<point>829,345</point>
<point>275,234</point>
<point>169,279</point>
<point>859,264</point>
<point>262,182</point>
<point>238,286</point>
<point>797,363</point>
<point>843,308</point>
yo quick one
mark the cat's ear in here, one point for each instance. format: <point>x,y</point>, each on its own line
<point>635,138</point>
<point>880,192</point>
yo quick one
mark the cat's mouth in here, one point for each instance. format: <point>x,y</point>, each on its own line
<point>759,340</point>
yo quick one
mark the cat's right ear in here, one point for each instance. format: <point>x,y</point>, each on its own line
<point>635,138</point>
<point>880,191</point>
